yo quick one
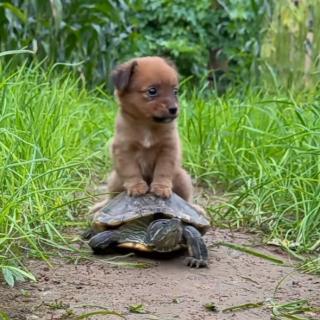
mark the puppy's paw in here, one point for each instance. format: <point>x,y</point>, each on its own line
<point>161,190</point>
<point>138,189</point>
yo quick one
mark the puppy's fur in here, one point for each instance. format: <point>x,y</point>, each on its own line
<point>146,147</point>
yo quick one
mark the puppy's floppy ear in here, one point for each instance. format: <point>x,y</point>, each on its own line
<point>122,74</point>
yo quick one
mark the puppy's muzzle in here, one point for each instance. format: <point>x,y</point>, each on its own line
<point>168,115</point>
<point>173,110</point>
<point>166,119</point>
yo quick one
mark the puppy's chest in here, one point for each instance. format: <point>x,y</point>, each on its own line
<point>147,153</point>
<point>147,140</point>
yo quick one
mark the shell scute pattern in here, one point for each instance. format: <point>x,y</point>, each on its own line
<point>124,208</point>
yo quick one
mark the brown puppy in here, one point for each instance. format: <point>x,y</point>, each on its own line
<point>146,147</point>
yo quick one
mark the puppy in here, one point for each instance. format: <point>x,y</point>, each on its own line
<point>146,147</point>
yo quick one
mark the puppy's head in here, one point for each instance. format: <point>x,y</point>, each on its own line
<point>147,89</point>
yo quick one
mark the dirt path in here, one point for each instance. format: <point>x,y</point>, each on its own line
<point>167,291</point>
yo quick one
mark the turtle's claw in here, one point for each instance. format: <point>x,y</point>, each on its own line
<point>195,263</point>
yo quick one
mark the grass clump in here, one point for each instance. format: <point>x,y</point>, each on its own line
<point>265,152</point>
<point>52,137</point>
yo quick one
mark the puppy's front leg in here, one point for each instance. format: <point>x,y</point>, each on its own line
<point>128,169</point>
<point>163,173</point>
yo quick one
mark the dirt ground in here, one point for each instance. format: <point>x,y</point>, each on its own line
<point>167,290</point>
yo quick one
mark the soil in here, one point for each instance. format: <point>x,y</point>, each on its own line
<point>167,290</point>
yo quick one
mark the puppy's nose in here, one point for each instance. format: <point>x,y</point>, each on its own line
<point>173,110</point>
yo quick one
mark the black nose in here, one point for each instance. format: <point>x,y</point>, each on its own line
<point>173,110</point>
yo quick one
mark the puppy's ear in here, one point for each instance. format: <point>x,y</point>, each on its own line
<point>122,74</point>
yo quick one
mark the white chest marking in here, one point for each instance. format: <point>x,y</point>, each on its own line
<point>147,140</point>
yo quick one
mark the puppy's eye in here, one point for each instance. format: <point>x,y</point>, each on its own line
<point>152,92</point>
<point>175,91</point>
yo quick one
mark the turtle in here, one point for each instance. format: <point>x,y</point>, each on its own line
<point>151,224</point>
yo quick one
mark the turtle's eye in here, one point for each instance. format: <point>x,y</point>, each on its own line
<point>152,92</point>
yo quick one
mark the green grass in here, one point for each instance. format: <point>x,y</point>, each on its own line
<point>266,153</point>
<point>52,140</point>
<point>263,152</point>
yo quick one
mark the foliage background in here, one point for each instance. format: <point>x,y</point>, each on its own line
<point>261,40</point>
<point>102,33</point>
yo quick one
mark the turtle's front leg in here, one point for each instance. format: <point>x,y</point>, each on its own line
<point>104,240</point>
<point>198,252</point>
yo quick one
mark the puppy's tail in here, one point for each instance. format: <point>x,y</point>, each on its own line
<point>99,205</point>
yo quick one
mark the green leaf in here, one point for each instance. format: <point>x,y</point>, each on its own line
<point>16,11</point>
<point>4,316</point>
<point>17,275</point>
<point>12,52</point>
<point>8,276</point>
<point>57,12</point>
<point>12,274</point>
<point>100,312</point>
<point>211,307</point>
<point>245,306</point>
<point>27,275</point>
<point>137,308</point>
<point>251,251</point>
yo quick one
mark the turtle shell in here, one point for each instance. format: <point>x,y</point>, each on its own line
<point>124,208</point>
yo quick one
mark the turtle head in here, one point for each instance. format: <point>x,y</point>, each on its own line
<point>165,234</point>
